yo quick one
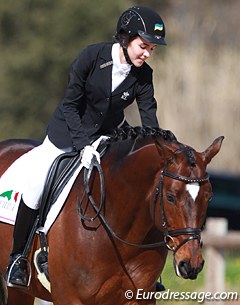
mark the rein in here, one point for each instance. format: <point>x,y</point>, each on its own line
<point>193,233</point>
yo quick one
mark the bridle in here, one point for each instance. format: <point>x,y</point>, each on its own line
<point>193,233</point>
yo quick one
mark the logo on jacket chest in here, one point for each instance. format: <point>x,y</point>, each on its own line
<point>125,95</point>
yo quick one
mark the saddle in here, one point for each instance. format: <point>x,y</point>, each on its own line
<point>59,174</point>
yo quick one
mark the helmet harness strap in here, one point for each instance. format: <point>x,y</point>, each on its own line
<point>125,52</point>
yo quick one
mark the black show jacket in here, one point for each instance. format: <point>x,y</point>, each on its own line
<point>89,108</point>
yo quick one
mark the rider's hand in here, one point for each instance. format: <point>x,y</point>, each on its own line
<point>87,154</point>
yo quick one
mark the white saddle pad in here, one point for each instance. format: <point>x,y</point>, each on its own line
<point>9,199</point>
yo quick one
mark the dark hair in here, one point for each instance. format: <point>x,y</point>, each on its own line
<point>123,39</point>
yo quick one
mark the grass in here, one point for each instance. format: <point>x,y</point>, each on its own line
<point>233,269</point>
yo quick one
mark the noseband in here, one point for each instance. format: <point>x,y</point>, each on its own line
<point>193,233</point>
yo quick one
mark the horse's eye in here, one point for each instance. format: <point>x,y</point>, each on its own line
<point>171,198</point>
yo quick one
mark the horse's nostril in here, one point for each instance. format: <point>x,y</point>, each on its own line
<point>184,268</point>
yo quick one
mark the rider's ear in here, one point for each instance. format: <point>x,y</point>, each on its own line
<point>212,150</point>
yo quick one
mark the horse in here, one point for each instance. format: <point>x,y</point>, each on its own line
<point>112,237</point>
<point>3,291</point>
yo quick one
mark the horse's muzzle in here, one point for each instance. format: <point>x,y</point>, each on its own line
<point>185,270</point>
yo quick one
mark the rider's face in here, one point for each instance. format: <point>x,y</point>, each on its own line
<point>139,50</point>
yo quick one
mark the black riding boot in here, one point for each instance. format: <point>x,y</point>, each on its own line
<point>17,272</point>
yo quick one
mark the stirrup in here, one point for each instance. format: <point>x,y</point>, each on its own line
<point>19,258</point>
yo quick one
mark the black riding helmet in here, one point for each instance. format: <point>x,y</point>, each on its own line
<point>141,21</point>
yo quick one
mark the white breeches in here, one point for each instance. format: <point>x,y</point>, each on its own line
<point>28,173</point>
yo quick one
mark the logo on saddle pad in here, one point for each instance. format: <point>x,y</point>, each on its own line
<point>9,202</point>
<point>10,195</point>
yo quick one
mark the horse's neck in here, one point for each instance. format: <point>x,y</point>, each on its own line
<point>130,188</point>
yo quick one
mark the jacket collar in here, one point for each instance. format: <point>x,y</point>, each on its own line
<point>105,66</point>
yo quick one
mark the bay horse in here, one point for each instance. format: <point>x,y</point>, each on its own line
<point>156,192</point>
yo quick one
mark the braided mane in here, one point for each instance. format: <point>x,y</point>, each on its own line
<point>130,132</point>
<point>120,134</point>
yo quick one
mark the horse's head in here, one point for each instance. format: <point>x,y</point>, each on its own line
<point>184,192</point>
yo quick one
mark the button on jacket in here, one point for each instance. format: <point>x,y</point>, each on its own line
<point>89,108</point>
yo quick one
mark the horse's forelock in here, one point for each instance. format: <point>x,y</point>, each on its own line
<point>189,153</point>
<point>191,157</point>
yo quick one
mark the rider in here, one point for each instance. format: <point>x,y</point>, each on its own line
<point>103,80</point>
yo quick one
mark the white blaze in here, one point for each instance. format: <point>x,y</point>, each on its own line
<point>193,189</point>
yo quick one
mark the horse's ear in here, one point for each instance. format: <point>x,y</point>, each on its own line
<point>164,152</point>
<point>212,150</point>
